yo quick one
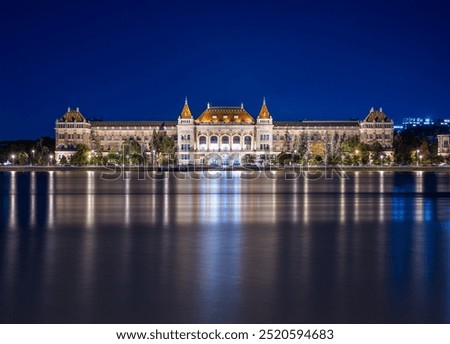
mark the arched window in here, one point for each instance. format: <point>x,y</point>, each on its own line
<point>214,140</point>
<point>236,140</point>
<point>248,142</point>
<point>202,140</point>
<point>225,140</point>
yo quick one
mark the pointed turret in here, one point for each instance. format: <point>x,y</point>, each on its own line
<point>186,112</point>
<point>264,113</point>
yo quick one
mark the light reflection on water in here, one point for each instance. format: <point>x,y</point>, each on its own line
<point>373,247</point>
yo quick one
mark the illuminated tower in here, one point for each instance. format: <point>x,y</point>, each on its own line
<point>186,135</point>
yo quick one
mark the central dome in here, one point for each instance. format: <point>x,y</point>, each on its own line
<point>225,114</point>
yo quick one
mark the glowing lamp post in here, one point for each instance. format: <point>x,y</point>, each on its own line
<point>13,157</point>
<point>32,154</point>
<point>382,157</point>
<point>51,159</point>
<point>420,158</point>
<point>417,157</point>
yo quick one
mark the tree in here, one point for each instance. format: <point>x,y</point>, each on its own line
<point>317,151</point>
<point>113,157</point>
<point>424,152</point>
<point>81,156</point>
<point>248,159</point>
<point>131,153</point>
<point>363,154</point>
<point>22,158</point>
<point>63,160</point>
<point>302,148</point>
<point>96,150</point>
<point>376,151</point>
<point>164,147</point>
<point>350,145</point>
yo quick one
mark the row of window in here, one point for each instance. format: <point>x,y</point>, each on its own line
<point>378,125</point>
<point>122,138</point>
<point>378,136</point>
<point>186,137</point>
<point>185,147</point>
<point>225,140</point>
<point>69,136</point>
<point>71,125</point>
<point>158,129</point>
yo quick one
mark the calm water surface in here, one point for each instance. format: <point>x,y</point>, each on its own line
<point>371,248</point>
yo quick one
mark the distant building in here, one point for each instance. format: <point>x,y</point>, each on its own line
<point>445,122</point>
<point>221,134</point>
<point>443,145</point>
<point>412,122</point>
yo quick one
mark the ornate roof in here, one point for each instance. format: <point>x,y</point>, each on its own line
<point>264,112</point>
<point>225,114</point>
<point>376,116</point>
<point>350,123</point>
<point>132,124</point>
<point>72,115</point>
<point>186,112</point>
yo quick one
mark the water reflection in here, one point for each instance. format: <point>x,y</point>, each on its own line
<point>33,191</point>
<point>127,200</point>
<point>381,198</point>
<point>419,200</point>
<point>90,199</point>
<point>342,201</point>
<point>51,200</point>
<point>12,201</point>
<point>306,200</point>
<point>356,188</point>
<point>370,248</point>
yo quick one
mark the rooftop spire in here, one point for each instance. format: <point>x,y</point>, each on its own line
<point>264,112</point>
<point>186,112</point>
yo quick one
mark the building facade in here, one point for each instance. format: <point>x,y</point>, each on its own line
<point>223,135</point>
<point>443,145</point>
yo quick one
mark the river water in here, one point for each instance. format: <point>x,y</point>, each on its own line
<point>361,247</point>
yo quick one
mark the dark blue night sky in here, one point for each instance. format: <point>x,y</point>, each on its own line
<point>120,60</point>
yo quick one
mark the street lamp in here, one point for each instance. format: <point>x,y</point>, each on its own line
<point>51,159</point>
<point>13,157</point>
<point>32,159</point>
<point>420,157</point>
<point>417,157</point>
<point>357,156</point>
<point>153,157</point>
<point>382,157</point>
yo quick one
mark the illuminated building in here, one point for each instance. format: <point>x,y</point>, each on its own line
<point>222,135</point>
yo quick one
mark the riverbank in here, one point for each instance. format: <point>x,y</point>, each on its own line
<point>288,169</point>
